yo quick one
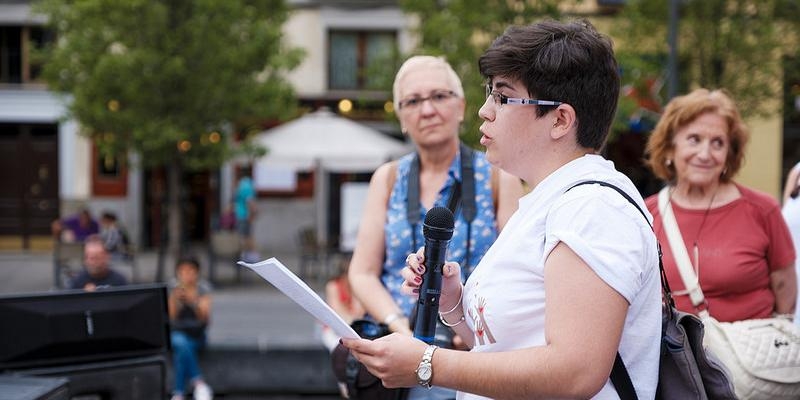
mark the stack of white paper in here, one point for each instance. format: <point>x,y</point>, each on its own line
<point>287,282</point>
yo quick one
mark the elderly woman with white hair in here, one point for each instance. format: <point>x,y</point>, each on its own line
<point>429,102</point>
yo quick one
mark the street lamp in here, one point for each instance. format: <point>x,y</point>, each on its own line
<point>672,40</point>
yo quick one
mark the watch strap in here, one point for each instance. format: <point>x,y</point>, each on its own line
<point>426,363</point>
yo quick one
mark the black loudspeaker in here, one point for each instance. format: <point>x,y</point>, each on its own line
<point>14,387</point>
<point>139,378</point>
<point>75,327</point>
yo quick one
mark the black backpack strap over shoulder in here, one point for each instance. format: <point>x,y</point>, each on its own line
<point>619,374</point>
<point>463,194</point>
<point>620,191</point>
<point>412,199</point>
<point>468,206</point>
<point>468,183</point>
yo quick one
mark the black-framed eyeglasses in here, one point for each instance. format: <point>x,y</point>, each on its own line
<point>436,97</point>
<point>500,99</point>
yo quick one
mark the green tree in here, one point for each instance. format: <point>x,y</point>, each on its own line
<point>731,44</point>
<point>461,30</point>
<point>174,81</point>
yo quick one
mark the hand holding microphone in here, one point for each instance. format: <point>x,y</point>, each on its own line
<point>438,230</point>
<point>451,280</point>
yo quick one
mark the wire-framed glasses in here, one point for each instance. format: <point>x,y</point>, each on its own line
<point>436,97</point>
<point>500,99</point>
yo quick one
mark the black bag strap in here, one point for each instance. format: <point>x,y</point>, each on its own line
<point>463,194</point>
<point>468,182</point>
<point>666,291</point>
<point>619,374</point>
<point>412,199</point>
<point>351,368</point>
<point>467,196</point>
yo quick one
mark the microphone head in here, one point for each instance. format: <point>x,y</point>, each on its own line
<point>439,222</point>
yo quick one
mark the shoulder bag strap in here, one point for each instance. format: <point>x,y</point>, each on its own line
<point>468,207</point>
<point>412,199</point>
<point>463,194</point>
<point>679,252</point>
<point>467,183</point>
<point>619,374</point>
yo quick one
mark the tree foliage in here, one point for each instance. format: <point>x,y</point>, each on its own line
<point>731,44</point>
<point>461,30</point>
<point>169,79</point>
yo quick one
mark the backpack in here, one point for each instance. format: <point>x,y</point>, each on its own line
<point>686,370</point>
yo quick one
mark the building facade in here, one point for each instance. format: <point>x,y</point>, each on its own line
<point>50,170</point>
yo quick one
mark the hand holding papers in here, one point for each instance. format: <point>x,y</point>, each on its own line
<point>282,278</point>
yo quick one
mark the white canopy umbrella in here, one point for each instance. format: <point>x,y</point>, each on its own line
<point>323,142</point>
<point>323,138</point>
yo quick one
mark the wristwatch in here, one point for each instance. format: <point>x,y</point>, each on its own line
<point>425,369</point>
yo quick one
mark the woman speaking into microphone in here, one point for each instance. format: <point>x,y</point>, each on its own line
<point>572,282</point>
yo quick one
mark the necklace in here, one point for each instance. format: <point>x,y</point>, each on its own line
<point>700,229</point>
<point>695,248</point>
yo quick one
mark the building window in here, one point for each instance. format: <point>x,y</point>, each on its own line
<point>10,54</point>
<point>38,38</point>
<point>16,45</point>
<point>357,57</point>
<point>109,174</point>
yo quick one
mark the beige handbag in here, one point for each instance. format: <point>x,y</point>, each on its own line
<point>762,355</point>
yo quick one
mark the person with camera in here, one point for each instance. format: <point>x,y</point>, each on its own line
<point>572,283</point>
<point>189,305</point>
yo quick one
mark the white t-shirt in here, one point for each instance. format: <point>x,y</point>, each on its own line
<point>791,213</point>
<point>504,298</point>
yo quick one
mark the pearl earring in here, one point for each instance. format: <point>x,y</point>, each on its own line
<point>668,162</point>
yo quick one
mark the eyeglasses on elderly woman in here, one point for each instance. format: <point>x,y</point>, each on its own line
<point>436,97</point>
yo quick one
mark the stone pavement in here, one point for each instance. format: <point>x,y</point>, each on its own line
<point>260,342</point>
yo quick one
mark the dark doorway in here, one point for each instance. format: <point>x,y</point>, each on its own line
<point>29,172</point>
<point>197,197</point>
<point>334,223</point>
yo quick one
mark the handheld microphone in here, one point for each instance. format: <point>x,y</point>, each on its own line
<point>438,230</point>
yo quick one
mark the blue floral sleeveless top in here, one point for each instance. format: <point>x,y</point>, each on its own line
<point>398,231</point>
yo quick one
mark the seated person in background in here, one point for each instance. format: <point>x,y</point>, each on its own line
<point>114,237</point>
<point>189,314</point>
<point>75,228</point>
<point>339,296</point>
<point>97,273</point>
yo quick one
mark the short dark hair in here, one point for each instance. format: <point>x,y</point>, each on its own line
<point>188,259</point>
<point>567,62</point>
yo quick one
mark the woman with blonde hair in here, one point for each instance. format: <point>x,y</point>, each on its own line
<point>429,101</point>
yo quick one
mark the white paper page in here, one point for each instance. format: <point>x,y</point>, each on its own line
<point>287,282</point>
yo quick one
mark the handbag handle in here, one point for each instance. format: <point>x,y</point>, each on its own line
<point>679,253</point>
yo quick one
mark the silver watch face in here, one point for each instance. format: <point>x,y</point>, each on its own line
<point>424,372</point>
